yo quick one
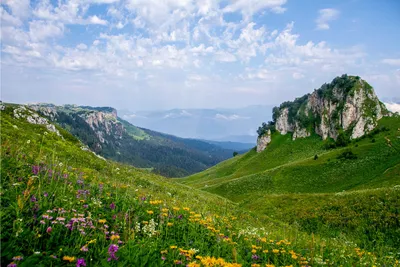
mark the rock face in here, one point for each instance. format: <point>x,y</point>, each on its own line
<point>263,141</point>
<point>347,104</point>
<point>103,121</point>
<point>33,118</point>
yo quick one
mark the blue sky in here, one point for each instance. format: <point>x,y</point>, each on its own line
<point>160,54</point>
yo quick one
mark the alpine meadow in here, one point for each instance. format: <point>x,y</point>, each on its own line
<point>209,133</point>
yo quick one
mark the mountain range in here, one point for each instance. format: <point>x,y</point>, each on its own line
<point>236,125</point>
<point>106,134</point>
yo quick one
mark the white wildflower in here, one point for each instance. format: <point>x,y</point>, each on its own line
<point>150,229</point>
<point>28,142</point>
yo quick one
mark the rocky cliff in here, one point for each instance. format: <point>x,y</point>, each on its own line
<point>348,106</point>
<point>101,120</point>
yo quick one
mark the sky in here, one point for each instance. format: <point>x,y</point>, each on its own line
<point>163,54</point>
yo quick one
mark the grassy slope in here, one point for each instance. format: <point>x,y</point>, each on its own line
<point>288,166</point>
<point>70,178</point>
<point>286,183</point>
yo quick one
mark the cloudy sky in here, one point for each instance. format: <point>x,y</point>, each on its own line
<point>159,54</point>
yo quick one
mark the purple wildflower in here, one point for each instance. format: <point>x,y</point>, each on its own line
<point>112,206</point>
<point>255,257</point>
<point>111,251</point>
<point>180,217</point>
<point>80,262</point>
<point>49,229</point>
<point>85,206</point>
<point>12,264</point>
<point>33,198</point>
<point>45,194</point>
<point>17,258</point>
<point>163,258</point>
<point>35,170</point>
<point>84,248</point>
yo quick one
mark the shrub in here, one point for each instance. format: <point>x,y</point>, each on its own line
<point>348,154</point>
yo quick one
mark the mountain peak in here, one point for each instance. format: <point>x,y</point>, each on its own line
<point>347,106</point>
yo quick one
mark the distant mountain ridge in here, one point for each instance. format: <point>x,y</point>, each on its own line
<point>106,134</point>
<point>236,125</point>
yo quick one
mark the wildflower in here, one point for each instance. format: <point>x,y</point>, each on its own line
<point>12,264</point>
<point>17,258</point>
<point>28,142</point>
<point>193,264</point>
<point>276,251</point>
<point>113,237</point>
<point>85,206</point>
<point>60,164</point>
<point>187,209</point>
<point>102,221</point>
<point>35,170</point>
<point>173,247</point>
<point>84,248</point>
<point>163,258</point>
<point>42,222</point>
<point>68,258</point>
<point>170,224</point>
<point>112,206</point>
<point>33,198</point>
<point>45,194</point>
<point>45,133</point>
<point>178,262</point>
<point>53,256</point>
<point>150,212</point>
<point>80,262</point>
<point>49,230</point>
<point>112,249</point>
<point>255,257</point>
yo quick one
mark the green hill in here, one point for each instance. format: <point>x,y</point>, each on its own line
<point>114,138</point>
<point>328,163</point>
<point>63,205</point>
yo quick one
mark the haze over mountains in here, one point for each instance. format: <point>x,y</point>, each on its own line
<point>235,125</point>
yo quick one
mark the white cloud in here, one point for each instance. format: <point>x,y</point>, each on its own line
<point>325,16</point>
<point>229,117</point>
<point>250,7</point>
<point>41,30</point>
<point>297,75</point>
<point>392,61</point>
<point>102,1</point>
<point>96,20</point>
<point>19,8</point>
<point>393,107</point>
<point>8,19</point>
<point>225,56</point>
<point>81,46</point>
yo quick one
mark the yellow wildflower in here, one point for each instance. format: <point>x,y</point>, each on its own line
<point>170,224</point>
<point>173,247</point>
<point>150,212</point>
<point>102,221</point>
<point>68,258</point>
<point>113,237</point>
